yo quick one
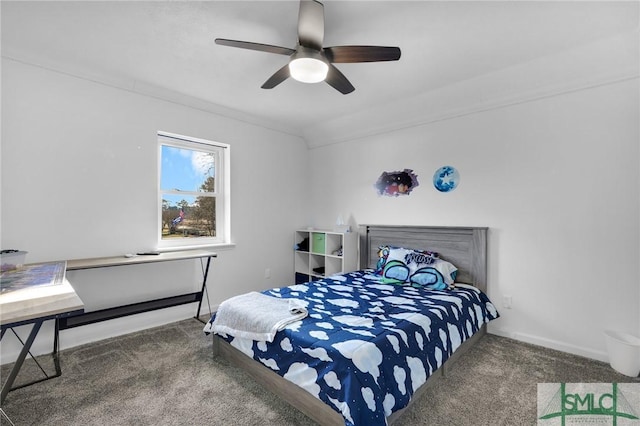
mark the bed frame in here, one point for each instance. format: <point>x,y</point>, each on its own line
<point>465,247</point>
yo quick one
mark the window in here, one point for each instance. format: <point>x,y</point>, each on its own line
<point>193,191</point>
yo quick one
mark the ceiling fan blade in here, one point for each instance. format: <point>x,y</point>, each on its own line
<point>281,75</point>
<point>351,54</point>
<point>311,24</point>
<point>255,46</point>
<point>338,81</point>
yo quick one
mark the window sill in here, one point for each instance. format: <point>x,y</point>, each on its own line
<point>221,246</point>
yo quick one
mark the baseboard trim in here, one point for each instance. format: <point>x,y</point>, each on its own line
<point>551,344</point>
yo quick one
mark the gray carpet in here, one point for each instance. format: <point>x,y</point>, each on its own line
<point>167,376</point>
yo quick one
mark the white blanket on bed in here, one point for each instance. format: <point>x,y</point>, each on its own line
<point>257,316</point>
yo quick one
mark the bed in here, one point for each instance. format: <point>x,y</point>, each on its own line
<point>369,348</point>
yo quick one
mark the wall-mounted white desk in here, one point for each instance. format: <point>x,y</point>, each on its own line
<point>145,306</point>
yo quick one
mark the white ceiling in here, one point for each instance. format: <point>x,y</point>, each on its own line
<point>170,45</point>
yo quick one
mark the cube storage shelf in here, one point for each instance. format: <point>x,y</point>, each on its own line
<point>324,256</point>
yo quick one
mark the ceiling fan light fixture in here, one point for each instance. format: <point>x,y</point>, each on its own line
<point>308,69</point>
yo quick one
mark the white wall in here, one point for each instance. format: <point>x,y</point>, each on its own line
<point>556,180</point>
<point>79,171</point>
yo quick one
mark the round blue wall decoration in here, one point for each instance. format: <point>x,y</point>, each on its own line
<point>446,179</point>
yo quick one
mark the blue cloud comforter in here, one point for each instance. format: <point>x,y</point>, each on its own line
<point>367,346</point>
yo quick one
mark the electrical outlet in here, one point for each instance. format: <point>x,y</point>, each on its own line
<point>506,302</point>
<point>267,273</point>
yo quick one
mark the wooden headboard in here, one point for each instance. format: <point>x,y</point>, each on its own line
<point>465,247</point>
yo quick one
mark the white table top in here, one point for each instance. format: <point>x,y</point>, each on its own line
<point>38,302</point>
<point>101,262</point>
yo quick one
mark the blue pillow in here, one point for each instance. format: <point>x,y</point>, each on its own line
<point>429,277</point>
<point>395,272</point>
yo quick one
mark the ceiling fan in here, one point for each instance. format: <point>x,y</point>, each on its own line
<point>310,62</point>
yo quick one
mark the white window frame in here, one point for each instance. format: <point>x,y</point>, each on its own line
<point>222,191</point>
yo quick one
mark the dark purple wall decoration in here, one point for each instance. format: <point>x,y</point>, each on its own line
<point>393,184</point>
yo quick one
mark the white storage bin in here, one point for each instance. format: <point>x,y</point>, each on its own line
<point>624,352</point>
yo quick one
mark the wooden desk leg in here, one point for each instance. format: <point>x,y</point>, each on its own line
<point>19,361</point>
<point>204,287</point>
